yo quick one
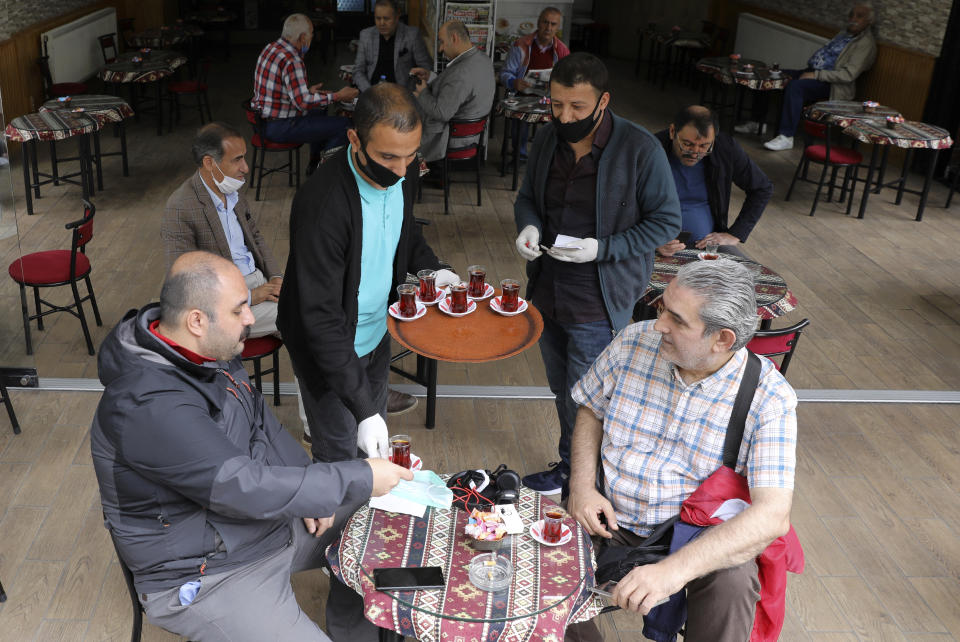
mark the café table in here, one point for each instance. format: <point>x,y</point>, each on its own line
<point>106,109</point>
<point>478,337</point>
<point>548,590</point>
<point>774,299</point>
<point>53,125</point>
<point>165,36</point>
<point>153,68</point>
<point>910,135</point>
<point>219,18</point>
<point>670,49</point>
<point>724,72</point>
<point>524,109</point>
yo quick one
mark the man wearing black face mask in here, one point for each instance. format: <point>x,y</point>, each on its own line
<point>353,239</point>
<point>605,182</point>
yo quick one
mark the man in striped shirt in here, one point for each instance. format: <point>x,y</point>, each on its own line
<point>294,111</point>
<point>653,411</point>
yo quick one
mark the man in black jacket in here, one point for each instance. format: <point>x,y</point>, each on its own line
<point>211,502</point>
<point>353,239</point>
<point>705,164</point>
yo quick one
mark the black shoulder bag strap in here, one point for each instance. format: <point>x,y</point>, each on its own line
<point>741,406</point>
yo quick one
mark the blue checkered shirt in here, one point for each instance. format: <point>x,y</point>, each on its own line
<point>826,56</point>
<point>662,437</point>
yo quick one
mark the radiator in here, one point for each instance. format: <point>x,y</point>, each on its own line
<point>774,42</point>
<point>74,49</point>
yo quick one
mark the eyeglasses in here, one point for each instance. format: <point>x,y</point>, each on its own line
<point>693,148</point>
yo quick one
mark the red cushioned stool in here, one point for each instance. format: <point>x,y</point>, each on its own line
<point>831,157</point>
<point>778,343</point>
<point>262,145</point>
<point>255,350</point>
<point>474,153</point>
<point>197,88</point>
<point>54,268</point>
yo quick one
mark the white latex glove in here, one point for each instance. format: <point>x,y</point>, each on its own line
<point>528,243</point>
<point>587,254</point>
<point>446,277</point>
<point>372,436</point>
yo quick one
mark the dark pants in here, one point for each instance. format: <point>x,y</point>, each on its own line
<point>799,92</point>
<point>568,349</point>
<point>721,606</point>
<point>314,127</point>
<point>333,428</point>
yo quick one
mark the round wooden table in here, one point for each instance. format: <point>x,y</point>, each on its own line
<point>481,336</point>
<point>525,109</point>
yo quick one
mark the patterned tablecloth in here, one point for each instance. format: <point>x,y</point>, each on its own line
<point>220,16</point>
<point>845,112</point>
<point>103,107</point>
<point>165,36</point>
<point>525,108</point>
<point>345,72</point>
<point>774,299</point>
<point>908,134</point>
<point>58,124</point>
<point>547,592</point>
<point>693,39</point>
<point>724,70</point>
<point>159,64</point>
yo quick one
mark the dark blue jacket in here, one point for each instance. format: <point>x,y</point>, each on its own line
<point>637,211</point>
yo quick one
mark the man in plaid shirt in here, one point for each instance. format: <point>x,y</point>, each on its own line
<point>653,410</point>
<point>293,110</point>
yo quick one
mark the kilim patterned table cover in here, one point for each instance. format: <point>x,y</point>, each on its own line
<point>104,107</point>
<point>845,112</point>
<point>724,70</point>
<point>773,297</point>
<point>547,592</point>
<point>527,109</point>
<point>51,125</point>
<point>908,134</point>
<point>165,36</point>
<point>159,64</point>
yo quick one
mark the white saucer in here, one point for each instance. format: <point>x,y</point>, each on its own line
<point>536,532</point>
<point>487,293</point>
<point>394,311</point>
<point>441,292</point>
<point>495,306</point>
<point>445,307</point>
<point>701,256</point>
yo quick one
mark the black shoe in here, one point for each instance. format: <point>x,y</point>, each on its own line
<point>399,403</point>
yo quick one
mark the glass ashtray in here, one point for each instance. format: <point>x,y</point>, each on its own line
<point>491,572</point>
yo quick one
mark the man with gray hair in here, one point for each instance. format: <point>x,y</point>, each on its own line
<point>653,411</point>
<point>294,111</point>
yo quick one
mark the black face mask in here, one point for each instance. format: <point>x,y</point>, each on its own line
<point>577,130</point>
<point>382,176</point>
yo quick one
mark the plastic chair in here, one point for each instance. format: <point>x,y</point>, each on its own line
<point>196,88</point>
<point>256,349</point>
<point>55,90</point>
<point>475,152</point>
<point>778,343</point>
<point>53,268</point>
<point>831,157</point>
<point>108,47</point>
<point>261,145</point>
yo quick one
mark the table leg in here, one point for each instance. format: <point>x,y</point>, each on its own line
<point>926,184</point>
<point>86,171</point>
<point>883,170</point>
<point>516,157</point>
<point>54,166</point>
<point>98,159</point>
<point>159,109</point>
<point>902,183</point>
<point>866,186</point>
<point>431,393</point>
<point>123,147</point>
<point>737,106</point>
<point>36,169</point>
<point>25,152</point>
<point>507,128</point>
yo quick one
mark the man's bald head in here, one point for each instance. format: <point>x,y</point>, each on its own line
<point>702,119</point>
<point>192,283</point>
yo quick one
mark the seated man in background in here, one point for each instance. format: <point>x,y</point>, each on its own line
<point>831,72</point>
<point>654,409</point>
<point>293,110</point>
<point>538,50</point>
<point>212,504</point>
<point>388,50</point>
<point>463,91</point>
<point>705,164</point>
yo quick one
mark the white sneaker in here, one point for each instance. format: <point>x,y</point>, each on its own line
<point>780,143</point>
<point>752,127</point>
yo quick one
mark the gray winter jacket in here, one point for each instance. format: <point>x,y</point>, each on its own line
<point>196,475</point>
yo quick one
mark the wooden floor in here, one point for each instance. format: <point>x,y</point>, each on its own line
<point>877,505</point>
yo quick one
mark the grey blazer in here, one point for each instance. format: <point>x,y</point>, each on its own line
<point>464,91</point>
<point>408,52</point>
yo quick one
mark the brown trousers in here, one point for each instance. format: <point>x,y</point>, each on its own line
<point>720,606</point>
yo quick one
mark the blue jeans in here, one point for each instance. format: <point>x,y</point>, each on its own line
<point>568,350</point>
<point>799,92</point>
<point>314,127</point>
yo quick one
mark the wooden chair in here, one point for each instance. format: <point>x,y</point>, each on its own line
<point>261,145</point>
<point>832,158</point>
<point>778,343</point>
<point>56,90</point>
<point>473,153</point>
<point>256,349</point>
<point>198,88</point>
<point>108,47</point>
<point>53,268</point>
<point>127,30</point>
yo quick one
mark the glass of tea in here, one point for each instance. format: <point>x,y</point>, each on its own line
<point>510,295</point>
<point>458,298</point>
<point>428,285</point>
<point>408,299</point>
<point>478,275</point>
<point>552,526</point>
<point>400,450</point>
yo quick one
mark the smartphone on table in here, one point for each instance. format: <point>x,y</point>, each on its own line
<point>410,578</point>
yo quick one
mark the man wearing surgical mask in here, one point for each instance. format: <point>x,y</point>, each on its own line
<point>353,239</point>
<point>606,183</point>
<point>705,165</point>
